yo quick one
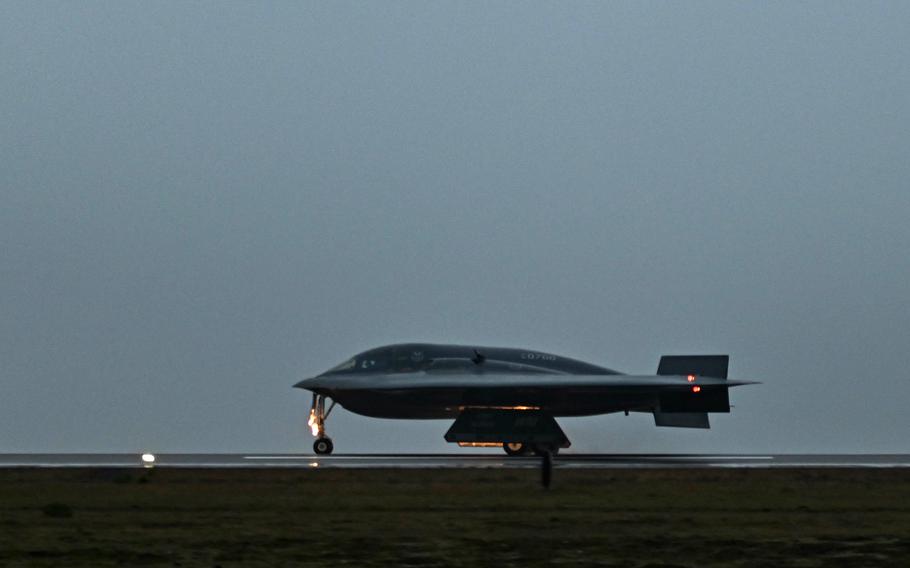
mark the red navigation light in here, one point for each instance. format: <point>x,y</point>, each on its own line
<point>690,378</point>
<point>696,388</point>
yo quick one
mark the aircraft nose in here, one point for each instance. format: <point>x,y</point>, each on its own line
<point>309,383</point>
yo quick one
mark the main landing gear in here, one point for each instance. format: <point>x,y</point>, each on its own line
<point>545,452</point>
<point>524,449</point>
<point>516,448</point>
<point>323,445</point>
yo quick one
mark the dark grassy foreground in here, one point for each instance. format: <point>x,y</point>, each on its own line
<point>92,517</point>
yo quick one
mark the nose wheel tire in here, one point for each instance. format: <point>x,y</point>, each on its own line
<point>323,446</point>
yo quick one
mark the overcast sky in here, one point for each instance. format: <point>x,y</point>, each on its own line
<point>202,203</point>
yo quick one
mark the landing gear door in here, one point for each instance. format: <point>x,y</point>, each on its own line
<point>531,427</point>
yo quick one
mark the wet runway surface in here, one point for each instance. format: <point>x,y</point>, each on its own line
<point>463,460</point>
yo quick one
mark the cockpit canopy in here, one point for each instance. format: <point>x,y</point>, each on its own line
<point>414,357</point>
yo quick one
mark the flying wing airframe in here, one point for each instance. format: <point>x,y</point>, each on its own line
<point>511,397</point>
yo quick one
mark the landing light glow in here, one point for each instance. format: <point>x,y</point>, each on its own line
<point>314,428</point>
<point>690,378</point>
<point>696,388</point>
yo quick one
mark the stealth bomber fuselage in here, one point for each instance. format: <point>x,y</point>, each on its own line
<point>510,397</point>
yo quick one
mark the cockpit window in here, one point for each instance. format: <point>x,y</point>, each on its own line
<point>369,363</point>
<point>376,361</point>
<point>408,360</point>
<point>346,366</point>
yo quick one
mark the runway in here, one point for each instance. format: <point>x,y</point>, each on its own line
<point>457,461</point>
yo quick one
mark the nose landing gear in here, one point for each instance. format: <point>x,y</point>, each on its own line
<point>323,446</point>
<point>318,415</point>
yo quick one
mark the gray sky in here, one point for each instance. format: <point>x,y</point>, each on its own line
<point>201,204</point>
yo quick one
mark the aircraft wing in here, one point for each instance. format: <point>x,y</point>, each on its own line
<point>422,381</point>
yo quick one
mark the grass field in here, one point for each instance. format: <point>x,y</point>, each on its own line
<point>285,517</point>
